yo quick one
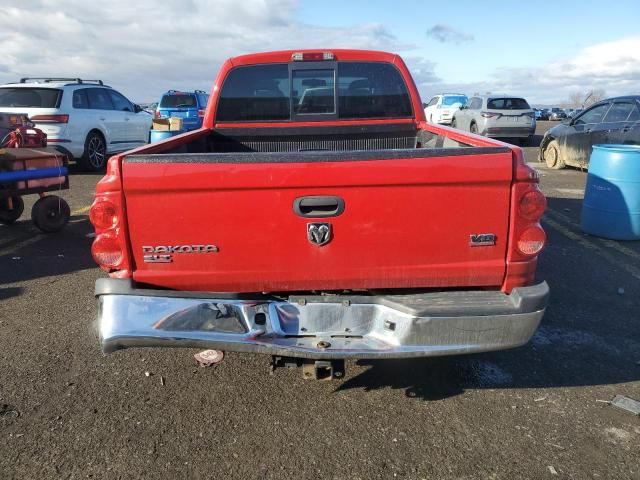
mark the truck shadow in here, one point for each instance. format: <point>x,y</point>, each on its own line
<point>27,254</point>
<point>590,334</point>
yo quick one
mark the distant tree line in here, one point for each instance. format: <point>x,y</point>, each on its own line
<point>585,99</point>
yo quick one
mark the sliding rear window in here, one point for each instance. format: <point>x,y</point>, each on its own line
<point>30,97</point>
<point>280,92</point>
<point>507,104</point>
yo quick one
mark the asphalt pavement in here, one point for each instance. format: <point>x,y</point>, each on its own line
<point>539,411</point>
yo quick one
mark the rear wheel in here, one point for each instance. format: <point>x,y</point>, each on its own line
<point>453,123</point>
<point>10,215</point>
<point>94,158</point>
<point>50,214</point>
<point>552,156</point>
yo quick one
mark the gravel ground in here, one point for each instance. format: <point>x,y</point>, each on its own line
<point>537,412</point>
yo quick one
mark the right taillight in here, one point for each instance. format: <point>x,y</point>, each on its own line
<point>526,236</point>
<point>531,240</point>
<point>529,235</point>
<point>532,204</point>
<point>107,252</point>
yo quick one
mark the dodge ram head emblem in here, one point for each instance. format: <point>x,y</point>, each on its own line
<point>319,233</point>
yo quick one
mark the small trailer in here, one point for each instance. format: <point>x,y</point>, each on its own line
<point>26,171</point>
<point>28,167</point>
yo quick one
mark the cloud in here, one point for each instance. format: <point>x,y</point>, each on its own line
<point>144,47</point>
<point>422,71</point>
<point>447,34</point>
<point>612,66</point>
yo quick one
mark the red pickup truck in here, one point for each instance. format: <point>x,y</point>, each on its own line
<point>316,215</point>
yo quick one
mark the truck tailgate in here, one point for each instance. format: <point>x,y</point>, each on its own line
<point>407,221</point>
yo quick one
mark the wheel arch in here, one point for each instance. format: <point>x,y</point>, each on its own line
<point>546,140</point>
<point>99,131</point>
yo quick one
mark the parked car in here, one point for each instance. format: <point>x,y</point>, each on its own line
<point>541,113</point>
<point>441,108</point>
<point>307,220</point>
<point>557,113</point>
<point>499,116</point>
<point>538,113</point>
<point>189,106</point>
<point>85,119</point>
<point>614,120</point>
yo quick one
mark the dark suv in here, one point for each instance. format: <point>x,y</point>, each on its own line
<point>614,120</point>
<point>189,106</point>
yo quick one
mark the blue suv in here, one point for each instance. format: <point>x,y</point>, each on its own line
<point>189,106</point>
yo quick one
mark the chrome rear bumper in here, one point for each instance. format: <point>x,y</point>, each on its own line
<point>320,327</point>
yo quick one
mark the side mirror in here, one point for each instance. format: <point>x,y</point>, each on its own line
<point>137,108</point>
<point>424,105</point>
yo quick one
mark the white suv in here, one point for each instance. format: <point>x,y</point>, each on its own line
<point>441,108</point>
<point>85,119</point>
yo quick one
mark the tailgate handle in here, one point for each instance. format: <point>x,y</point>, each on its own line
<point>318,206</point>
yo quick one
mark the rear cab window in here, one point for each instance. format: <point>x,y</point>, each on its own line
<point>27,97</point>
<point>313,91</point>
<point>507,104</point>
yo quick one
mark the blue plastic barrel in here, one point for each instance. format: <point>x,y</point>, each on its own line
<point>157,135</point>
<point>611,207</point>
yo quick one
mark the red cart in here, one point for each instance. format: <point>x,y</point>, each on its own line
<point>28,167</point>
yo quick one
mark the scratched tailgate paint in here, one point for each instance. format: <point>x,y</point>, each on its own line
<point>406,223</point>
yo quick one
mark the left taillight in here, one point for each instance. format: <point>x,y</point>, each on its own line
<point>109,247</point>
<point>50,119</point>
<point>107,252</point>
<point>103,215</point>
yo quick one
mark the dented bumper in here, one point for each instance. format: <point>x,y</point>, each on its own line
<point>320,327</point>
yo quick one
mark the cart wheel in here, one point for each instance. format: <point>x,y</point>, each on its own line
<point>50,213</point>
<point>8,216</point>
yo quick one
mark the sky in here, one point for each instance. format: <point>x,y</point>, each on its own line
<point>542,50</point>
